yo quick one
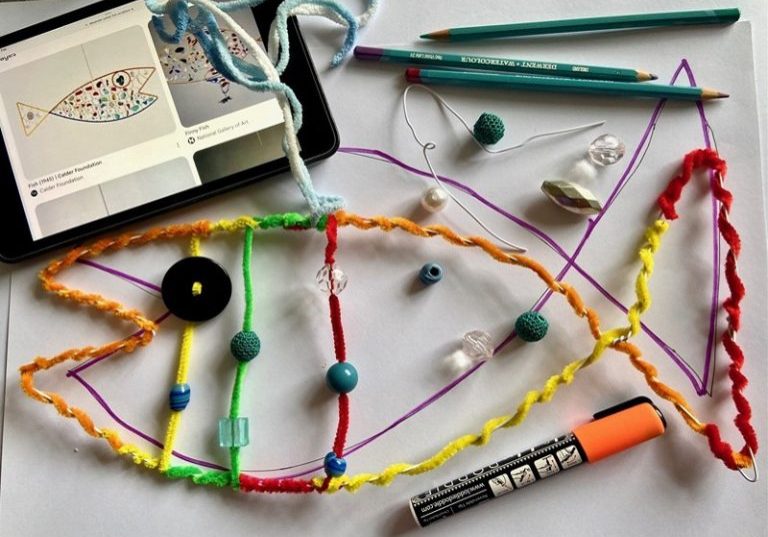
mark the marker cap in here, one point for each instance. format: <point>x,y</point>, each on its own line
<point>619,428</point>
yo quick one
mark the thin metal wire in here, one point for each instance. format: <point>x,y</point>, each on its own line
<point>427,146</point>
<point>469,129</point>
<point>512,246</point>
<point>756,476</point>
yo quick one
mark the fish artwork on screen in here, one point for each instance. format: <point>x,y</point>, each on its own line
<point>111,97</point>
<point>187,63</point>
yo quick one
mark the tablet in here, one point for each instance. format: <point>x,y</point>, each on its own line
<point>102,123</point>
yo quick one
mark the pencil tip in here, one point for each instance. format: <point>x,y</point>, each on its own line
<point>642,76</point>
<point>440,34</point>
<point>708,93</point>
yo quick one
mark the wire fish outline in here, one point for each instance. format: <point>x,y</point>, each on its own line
<point>82,87</point>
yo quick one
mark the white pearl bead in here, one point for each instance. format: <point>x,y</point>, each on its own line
<point>435,199</point>
<point>582,172</point>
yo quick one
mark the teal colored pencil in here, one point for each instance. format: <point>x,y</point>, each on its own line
<point>560,85</point>
<point>616,22</point>
<point>506,65</point>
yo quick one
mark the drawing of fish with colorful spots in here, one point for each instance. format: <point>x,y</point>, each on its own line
<point>111,97</point>
<point>187,63</point>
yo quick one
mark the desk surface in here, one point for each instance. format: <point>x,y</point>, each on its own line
<point>381,511</point>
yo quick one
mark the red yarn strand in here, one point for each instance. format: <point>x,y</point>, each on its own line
<point>709,159</point>
<point>331,232</point>
<point>258,484</point>
<point>341,432</point>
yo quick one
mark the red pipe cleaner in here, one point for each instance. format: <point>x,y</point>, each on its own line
<point>331,232</point>
<point>257,484</point>
<point>709,159</point>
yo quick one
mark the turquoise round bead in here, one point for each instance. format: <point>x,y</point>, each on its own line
<point>334,466</point>
<point>531,326</point>
<point>341,377</point>
<point>488,129</point>
<point>245,346</point>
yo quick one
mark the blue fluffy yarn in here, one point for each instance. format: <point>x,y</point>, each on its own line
<point>206,29</point>
<point>281,23</point>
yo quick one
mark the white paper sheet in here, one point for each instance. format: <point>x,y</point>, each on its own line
<point>398,334</point>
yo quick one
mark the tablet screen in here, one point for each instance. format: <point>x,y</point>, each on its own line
<point>101,116</point>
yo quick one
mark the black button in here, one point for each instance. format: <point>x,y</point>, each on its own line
<point>196,289</point>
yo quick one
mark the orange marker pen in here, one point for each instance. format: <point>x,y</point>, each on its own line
<point>610,431</point>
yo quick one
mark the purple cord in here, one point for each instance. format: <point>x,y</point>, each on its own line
<point>711,352</point>
<point>94,361</point>
<point>99,399</point>
<point>464,188</point>
<point>698,383</point>
<point>570,263</point>
<point>120,274</point>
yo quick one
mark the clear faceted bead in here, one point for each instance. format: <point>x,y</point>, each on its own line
<point>477,345</point>
<point>572,197</point>
<point>331,279</point>
<point>605,150</point>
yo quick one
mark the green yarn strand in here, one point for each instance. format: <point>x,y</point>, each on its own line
<point>199,477</point>
<point>247,255</point>
<point>290,220</point>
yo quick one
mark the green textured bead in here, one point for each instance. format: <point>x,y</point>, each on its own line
<point>245,346</point>
<point>531,326</point>
<point>341,377</point>
<point>488,129</point>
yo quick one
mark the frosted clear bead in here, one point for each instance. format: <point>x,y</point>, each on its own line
<point>583,172</point>
<point>477,345</point>
<point>435,199</point>
<point>331,279</point>
<point>605,150</point>
<point>457,363</point>
<point>233,432</point>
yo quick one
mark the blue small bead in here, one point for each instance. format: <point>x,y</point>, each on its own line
<point>245,346</point>
<point>341,377</point>
<point>431,273</point>
<point>334,466</point>
<point>531,326</point>
<point>179,396</point>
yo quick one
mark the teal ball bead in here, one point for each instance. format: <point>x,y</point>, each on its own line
<point>334,466</point>
<point>341,377</point>
<point>488,129</point>
<point>245,346</point>
<point>531,326</point>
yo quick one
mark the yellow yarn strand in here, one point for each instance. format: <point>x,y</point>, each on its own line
<point>239,224</point>
<point>181,378</point>
<point>653,237</point>
<point>138,456</point>
<point>194,246</point>
<point>182,374</point>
